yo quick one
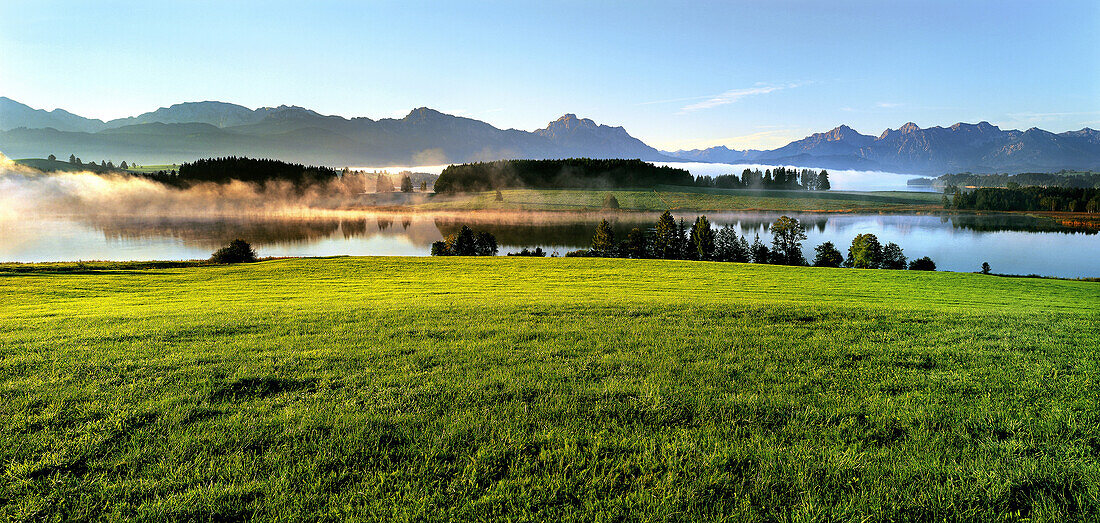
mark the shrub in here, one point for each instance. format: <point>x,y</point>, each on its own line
<point>238,251</point>
<point>538,252</point>
<point>922,264</point>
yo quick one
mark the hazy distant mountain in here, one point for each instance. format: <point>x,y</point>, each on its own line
<point>187,131</point>
<point>585,138</point>
<point>14,114</point>
<point>218,114</point>
<point>962,147</point>
<point>425,136</point>
<point>720,154</point>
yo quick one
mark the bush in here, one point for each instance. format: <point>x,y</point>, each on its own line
<point>922,264</point>
<point>538,252</point>
<point>238,251</point>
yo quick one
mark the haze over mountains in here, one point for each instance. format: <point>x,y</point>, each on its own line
<point>191,130</point>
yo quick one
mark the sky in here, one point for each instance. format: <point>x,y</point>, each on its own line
<point>678,75</point>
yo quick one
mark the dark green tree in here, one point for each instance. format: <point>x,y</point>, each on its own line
<point>726,246</point>
<point>665,244</point>
<point>893,257</point>
<point>51,158</point>
<point>865,252</point>
<point>603,242</point>
<point>683,244</point>
<point>759,252</point>
<point>922,264</point>
<point>406,183</point>
<point>485,244</point>
<point>238,251</point>
<point>985,268</point>
<point>462,243</point>
<point>823,181</point>
<point>827,255</point>
<point>702,239</point>
<point>72,159</point>
<point>787,238</point>
<point>637,244</point>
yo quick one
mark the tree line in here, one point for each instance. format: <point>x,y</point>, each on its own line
<point>558,174</point>
<point>230,168</point>
<point>466,242</point>
<point>674,240</point>
<point>1067,199</point>
<point>775,178</point>
<point>1089,180</point>
<point>102,166</point>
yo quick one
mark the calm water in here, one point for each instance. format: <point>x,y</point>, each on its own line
<point>1011,244</point>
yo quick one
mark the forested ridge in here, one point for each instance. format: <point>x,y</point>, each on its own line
<point>1054,199</point>
<point>569,173</point>
<point>230,168</point>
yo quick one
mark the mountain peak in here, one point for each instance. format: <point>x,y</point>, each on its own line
<point>569,121</point>
<point>841,132</point>
<point>424,113</point>
<point>909,127</point>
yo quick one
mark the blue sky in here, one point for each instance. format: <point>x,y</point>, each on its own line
<point>675,74</point>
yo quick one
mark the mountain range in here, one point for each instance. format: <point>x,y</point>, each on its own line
<point>963,147</point>
<point>187,131</point>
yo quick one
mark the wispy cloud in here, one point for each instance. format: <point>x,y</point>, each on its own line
<point>732,96</point>
<point>888,105</point>
<point>670,100</point>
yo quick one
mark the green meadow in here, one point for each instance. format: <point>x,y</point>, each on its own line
<point>689,199</point>
<point>505,389</point>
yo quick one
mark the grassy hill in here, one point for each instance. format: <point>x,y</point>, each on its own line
<point>545,389</point>
<point>47,165</point>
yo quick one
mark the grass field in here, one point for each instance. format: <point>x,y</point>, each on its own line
<point>690,199</point>
<point>511,389</point>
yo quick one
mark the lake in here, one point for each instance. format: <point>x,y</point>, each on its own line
<point>1012,244</point>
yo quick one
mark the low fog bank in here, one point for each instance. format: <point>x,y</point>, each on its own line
<point>25,191</point>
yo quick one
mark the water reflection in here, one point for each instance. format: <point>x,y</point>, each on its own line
<point>1010,243</point>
